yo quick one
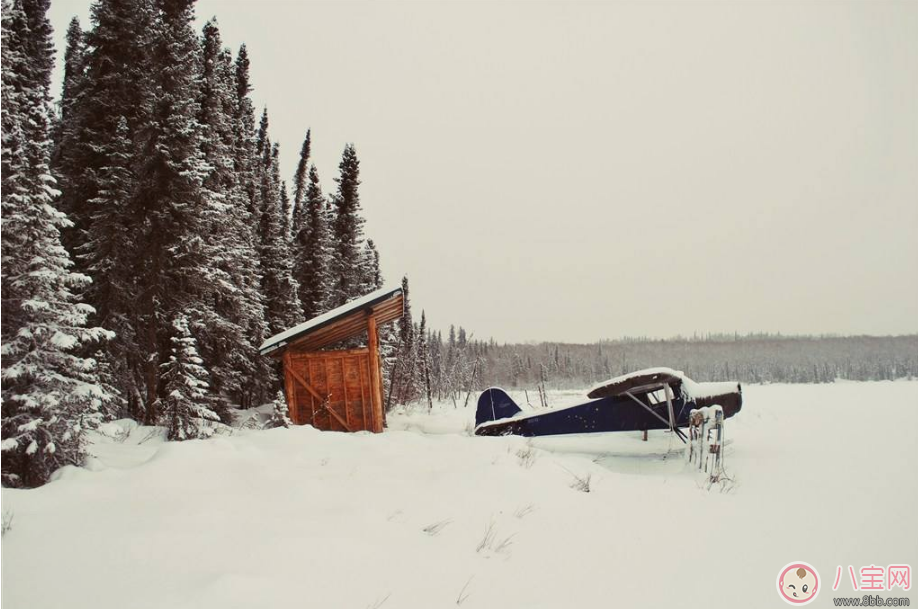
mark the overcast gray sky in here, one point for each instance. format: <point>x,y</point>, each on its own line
<point>573,171</point>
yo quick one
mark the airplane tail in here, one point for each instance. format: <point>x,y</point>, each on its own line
<point>494,404</point>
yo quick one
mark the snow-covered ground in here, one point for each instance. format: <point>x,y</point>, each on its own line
<point>426,516</point>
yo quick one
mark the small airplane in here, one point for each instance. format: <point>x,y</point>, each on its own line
<point>656,398</point>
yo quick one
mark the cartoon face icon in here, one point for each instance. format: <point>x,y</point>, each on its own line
<point>798,583</point>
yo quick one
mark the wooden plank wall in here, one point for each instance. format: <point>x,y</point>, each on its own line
<point>342,396</point>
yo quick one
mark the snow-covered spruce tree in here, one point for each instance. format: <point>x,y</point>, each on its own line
<point>347,229</point>
<point>388,352</point>
<point>280,289</point>
<point>179,203</point>
<point>451,351</point>
<point>453,365</point>
<point>394,345</point>
<point>436,363</point>
<point>107,78</point>
<point>236,369</point>
<point>186,409</point>
<point>245,164</point>
<point>300,186</point>
<point>50,393</point>
<point>107,105</point>
<point>245,156</point>
<point>285,207</point>
<point>423,359</point>
<point>370,277</point>
<point>280,416</point>
<point>404,377</point>
<point>110,243</point>
<point>313,252</point>
<point>176,207</point>
<point>74,68</point>
<point>73,64</point>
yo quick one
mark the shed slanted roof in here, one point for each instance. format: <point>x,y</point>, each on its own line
<point>339,324</point>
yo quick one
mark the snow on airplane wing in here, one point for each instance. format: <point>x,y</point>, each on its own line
<point>635,382</point>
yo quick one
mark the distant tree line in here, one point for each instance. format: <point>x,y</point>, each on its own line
<point>456,365</point>
<point>150,244</point>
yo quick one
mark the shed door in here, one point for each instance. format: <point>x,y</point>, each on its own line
<point>331,390</point>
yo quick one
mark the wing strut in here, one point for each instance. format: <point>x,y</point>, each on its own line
<point>672,417</point>
<point>669,405</point>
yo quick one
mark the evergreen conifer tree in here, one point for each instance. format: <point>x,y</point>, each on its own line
<point>347,229</point>
<point>423,367</point>
<point>280,289</point>
<point>406,366</point>
<point>73,63</point>
<point>229,345</point>
<point>186,408</point>
<point>287,219</point>
<point>111,244</point>
<point>451,346</point>
<point>436,362</point>
<point>313,251</point>
<point>370,277</point>
<point>280,415</point>
<point>177,207</point>
<point>405,324</point>
<point>74,68</point>
<point>301,185</point>
<point>106,103</point>
<point>246,165</point>
<point>107,78</point>
<point>51,394</point>
<point>245,157</point>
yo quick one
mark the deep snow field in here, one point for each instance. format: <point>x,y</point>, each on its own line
<point>426,516</point>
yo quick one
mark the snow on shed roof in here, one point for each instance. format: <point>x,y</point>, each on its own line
<point>299,332</point>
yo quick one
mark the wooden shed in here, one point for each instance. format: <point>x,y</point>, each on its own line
<point>337,390</point>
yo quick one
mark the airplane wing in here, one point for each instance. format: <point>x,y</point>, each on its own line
<point>640,381</point>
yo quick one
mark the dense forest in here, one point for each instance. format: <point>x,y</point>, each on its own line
<point>150,245</point>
